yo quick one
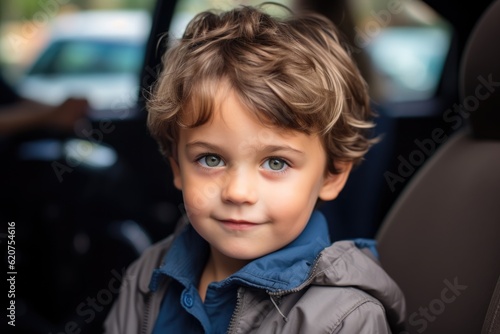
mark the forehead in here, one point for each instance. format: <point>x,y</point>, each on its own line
<point>208,99</point>
<point>236,128</point>
<point>223,109</point>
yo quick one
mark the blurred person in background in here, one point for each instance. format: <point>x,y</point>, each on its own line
<point>18,114</point>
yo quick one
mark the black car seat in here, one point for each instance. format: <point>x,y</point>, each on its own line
<point>441,239</point>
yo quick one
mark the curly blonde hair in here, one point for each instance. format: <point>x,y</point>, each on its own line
<point>293,73</point>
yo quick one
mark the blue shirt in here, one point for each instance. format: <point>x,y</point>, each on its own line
<point>182,310</point>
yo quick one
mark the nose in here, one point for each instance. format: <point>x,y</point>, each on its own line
<point>240,188</point>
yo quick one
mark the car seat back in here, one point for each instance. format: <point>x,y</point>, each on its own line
<point>440,241</point>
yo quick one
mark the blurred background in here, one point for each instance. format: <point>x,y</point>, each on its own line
<point>88,198</point>
<point>53,48</point>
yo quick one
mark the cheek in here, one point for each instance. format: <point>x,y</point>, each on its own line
<point>198,190</point>
<point>292,206</point>
<point>196,199</point>
<point>295,193</point>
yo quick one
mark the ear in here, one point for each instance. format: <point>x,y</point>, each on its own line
<point>334,183</point>
<point>176,173</point>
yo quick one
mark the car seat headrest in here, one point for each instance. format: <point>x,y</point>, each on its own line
<point>480,75</point>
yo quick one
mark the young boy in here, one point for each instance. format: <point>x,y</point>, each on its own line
<point>259,118</point>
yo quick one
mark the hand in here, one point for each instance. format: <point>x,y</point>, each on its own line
<point>27,115</point>
<point>65,115</point>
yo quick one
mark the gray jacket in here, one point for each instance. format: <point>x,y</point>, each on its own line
<point>347,292</point>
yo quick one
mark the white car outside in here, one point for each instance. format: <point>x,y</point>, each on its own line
<point>93,54</point>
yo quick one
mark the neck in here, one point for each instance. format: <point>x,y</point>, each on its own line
<point>218,268</point>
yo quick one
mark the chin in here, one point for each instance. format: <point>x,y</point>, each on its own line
<point>242,254</point>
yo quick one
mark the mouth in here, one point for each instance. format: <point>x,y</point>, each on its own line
<point>240,225</point>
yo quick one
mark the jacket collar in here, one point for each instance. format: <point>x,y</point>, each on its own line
<point>284,269</point>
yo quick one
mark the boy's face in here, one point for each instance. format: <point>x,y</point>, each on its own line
<point>248,189</point>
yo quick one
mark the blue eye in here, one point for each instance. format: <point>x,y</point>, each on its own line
<point>275,164</point>
<point>211,160</point>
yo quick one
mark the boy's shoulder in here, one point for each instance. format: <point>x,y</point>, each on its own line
<point>353,273</point>
<point>347,264</point>
<point>141,269</point>
<point>348,292</point>
<point>336,308</point>
<point>126,315</point>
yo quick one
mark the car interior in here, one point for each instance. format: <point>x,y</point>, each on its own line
<point>439,240</point>
<point>427,192</point>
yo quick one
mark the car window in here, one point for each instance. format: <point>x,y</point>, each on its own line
<point>407,43</point>
<point>84,49</point>
<point>70,57</point>
<point>409,61</point>
<point>185,10</point>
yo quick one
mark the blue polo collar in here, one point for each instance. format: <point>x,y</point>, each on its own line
<point>283,269</point>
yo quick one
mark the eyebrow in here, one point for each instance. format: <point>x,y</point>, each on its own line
<point>263,148</point>
<point>202,144</point>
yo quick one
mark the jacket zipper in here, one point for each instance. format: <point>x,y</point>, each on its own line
<point>279,294</point>
<point>147,326</point>
<point>310,278</point>
<point>145,323</point>
<point>232,323</point>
